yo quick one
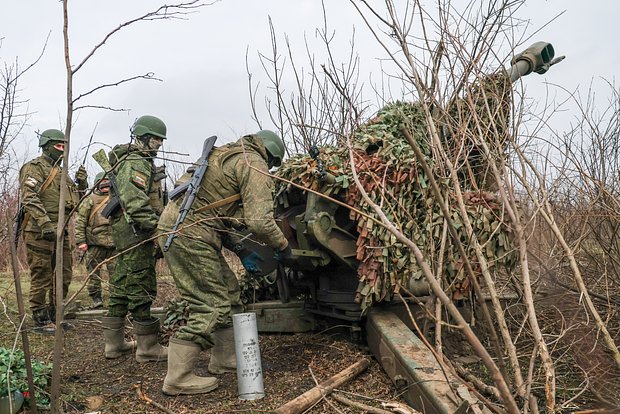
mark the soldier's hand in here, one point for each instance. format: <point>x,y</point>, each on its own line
<point>160,173</point>
<point>250,262</point>
<point>285,256</point>
<point>81,178</point>
<point>48,231</point>
<point>82,247</point>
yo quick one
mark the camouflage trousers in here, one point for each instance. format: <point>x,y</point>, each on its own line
<point>41,256</point>
<point>207,283</point>
<point>133,286</point>
<point>94,256</point>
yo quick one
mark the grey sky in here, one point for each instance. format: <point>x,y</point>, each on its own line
<point>202,60</point>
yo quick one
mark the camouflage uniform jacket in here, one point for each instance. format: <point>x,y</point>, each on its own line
<point>42,206</point>
<point>236,168</point>
<point>90,226</point>
<point>140,189</point>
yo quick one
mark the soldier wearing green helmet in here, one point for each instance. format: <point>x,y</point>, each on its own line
<point>39,198</point>
<point>133,286</point>
<point>93,236</point>
<point>274,147</point>
<point>235,194</point>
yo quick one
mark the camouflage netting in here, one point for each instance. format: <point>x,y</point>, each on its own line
<point>390,174</point>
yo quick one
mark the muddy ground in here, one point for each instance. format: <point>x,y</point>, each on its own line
<point>291,365</point>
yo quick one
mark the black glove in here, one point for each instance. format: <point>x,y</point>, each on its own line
<point>160,173</point>
<point>81,178</point>
<point>284,256</point>
<point>48,231</point>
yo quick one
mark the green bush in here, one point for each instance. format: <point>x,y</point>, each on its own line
<point>13,375</point>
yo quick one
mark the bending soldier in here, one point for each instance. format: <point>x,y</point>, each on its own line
<point>93,237</point>
<point>133,285</point>
<point>39,181</point>
<point>196,262</point>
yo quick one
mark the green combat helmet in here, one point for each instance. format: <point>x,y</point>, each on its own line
<point>274,146</point>
<point>149,125</point>
<point>51,135</point>
<point>100,183</point>
<point>99,177</point>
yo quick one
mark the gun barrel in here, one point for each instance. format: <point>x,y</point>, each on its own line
<point>519,69</point>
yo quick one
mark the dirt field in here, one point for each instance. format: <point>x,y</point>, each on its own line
<point>291,363</point>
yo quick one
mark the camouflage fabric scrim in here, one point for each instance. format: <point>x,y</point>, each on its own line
<point>195,260</point>
<point>39,181</point>
<point>133,285</point>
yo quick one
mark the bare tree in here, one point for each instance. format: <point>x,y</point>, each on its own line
<point>447,58</point>
<point>165,12</point>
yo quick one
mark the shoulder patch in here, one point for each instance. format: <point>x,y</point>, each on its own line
<point>30,181</point>
<point>139,179</point>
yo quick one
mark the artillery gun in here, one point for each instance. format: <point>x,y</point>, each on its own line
<point>317,214</point>
<point>317,219</point>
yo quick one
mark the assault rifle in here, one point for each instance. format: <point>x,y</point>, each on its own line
<point>191,189</point>
<point>18,226</point>
<point>102,159</point>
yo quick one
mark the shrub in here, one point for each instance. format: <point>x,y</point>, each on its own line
<point>13,375</point>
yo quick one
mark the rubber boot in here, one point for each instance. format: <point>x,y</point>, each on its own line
<point>148,347</point>
<point>223,357</point>
<point>180,378</point>
<point>114,334</point>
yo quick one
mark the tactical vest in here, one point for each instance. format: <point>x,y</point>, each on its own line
<point>98,232</point>
<point>216,185</point>
<point>50,195</point>
<point>154,188</point>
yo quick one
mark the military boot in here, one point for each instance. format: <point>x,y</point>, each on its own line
<point>42,323</point>
<point>148,347</point>
<point>97,300</point>
<point>114,335</point>
<point>51,312</point>
<point>180,378</point>
<point>223,358</point>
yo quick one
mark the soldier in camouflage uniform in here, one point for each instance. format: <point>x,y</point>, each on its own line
<point>93,237</point>
<point>236,172</point>
<point>133,285</point>
<point>39,181</point>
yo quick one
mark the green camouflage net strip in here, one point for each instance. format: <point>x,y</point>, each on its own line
<point>389,173</point>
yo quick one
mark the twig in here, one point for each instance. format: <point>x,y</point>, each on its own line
<point>365,408</point>
<point>142,396</point>
<point>309,398</point>
<point>476,382</point>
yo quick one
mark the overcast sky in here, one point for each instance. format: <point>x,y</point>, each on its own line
<point>201,61</point>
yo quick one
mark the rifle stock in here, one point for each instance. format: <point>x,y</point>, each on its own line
<point>191,189</point>
<point>102,159</point>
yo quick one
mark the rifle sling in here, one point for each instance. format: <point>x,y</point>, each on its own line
<point>219,203</point>
<point>46,184</point>
<point>95,210</point>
